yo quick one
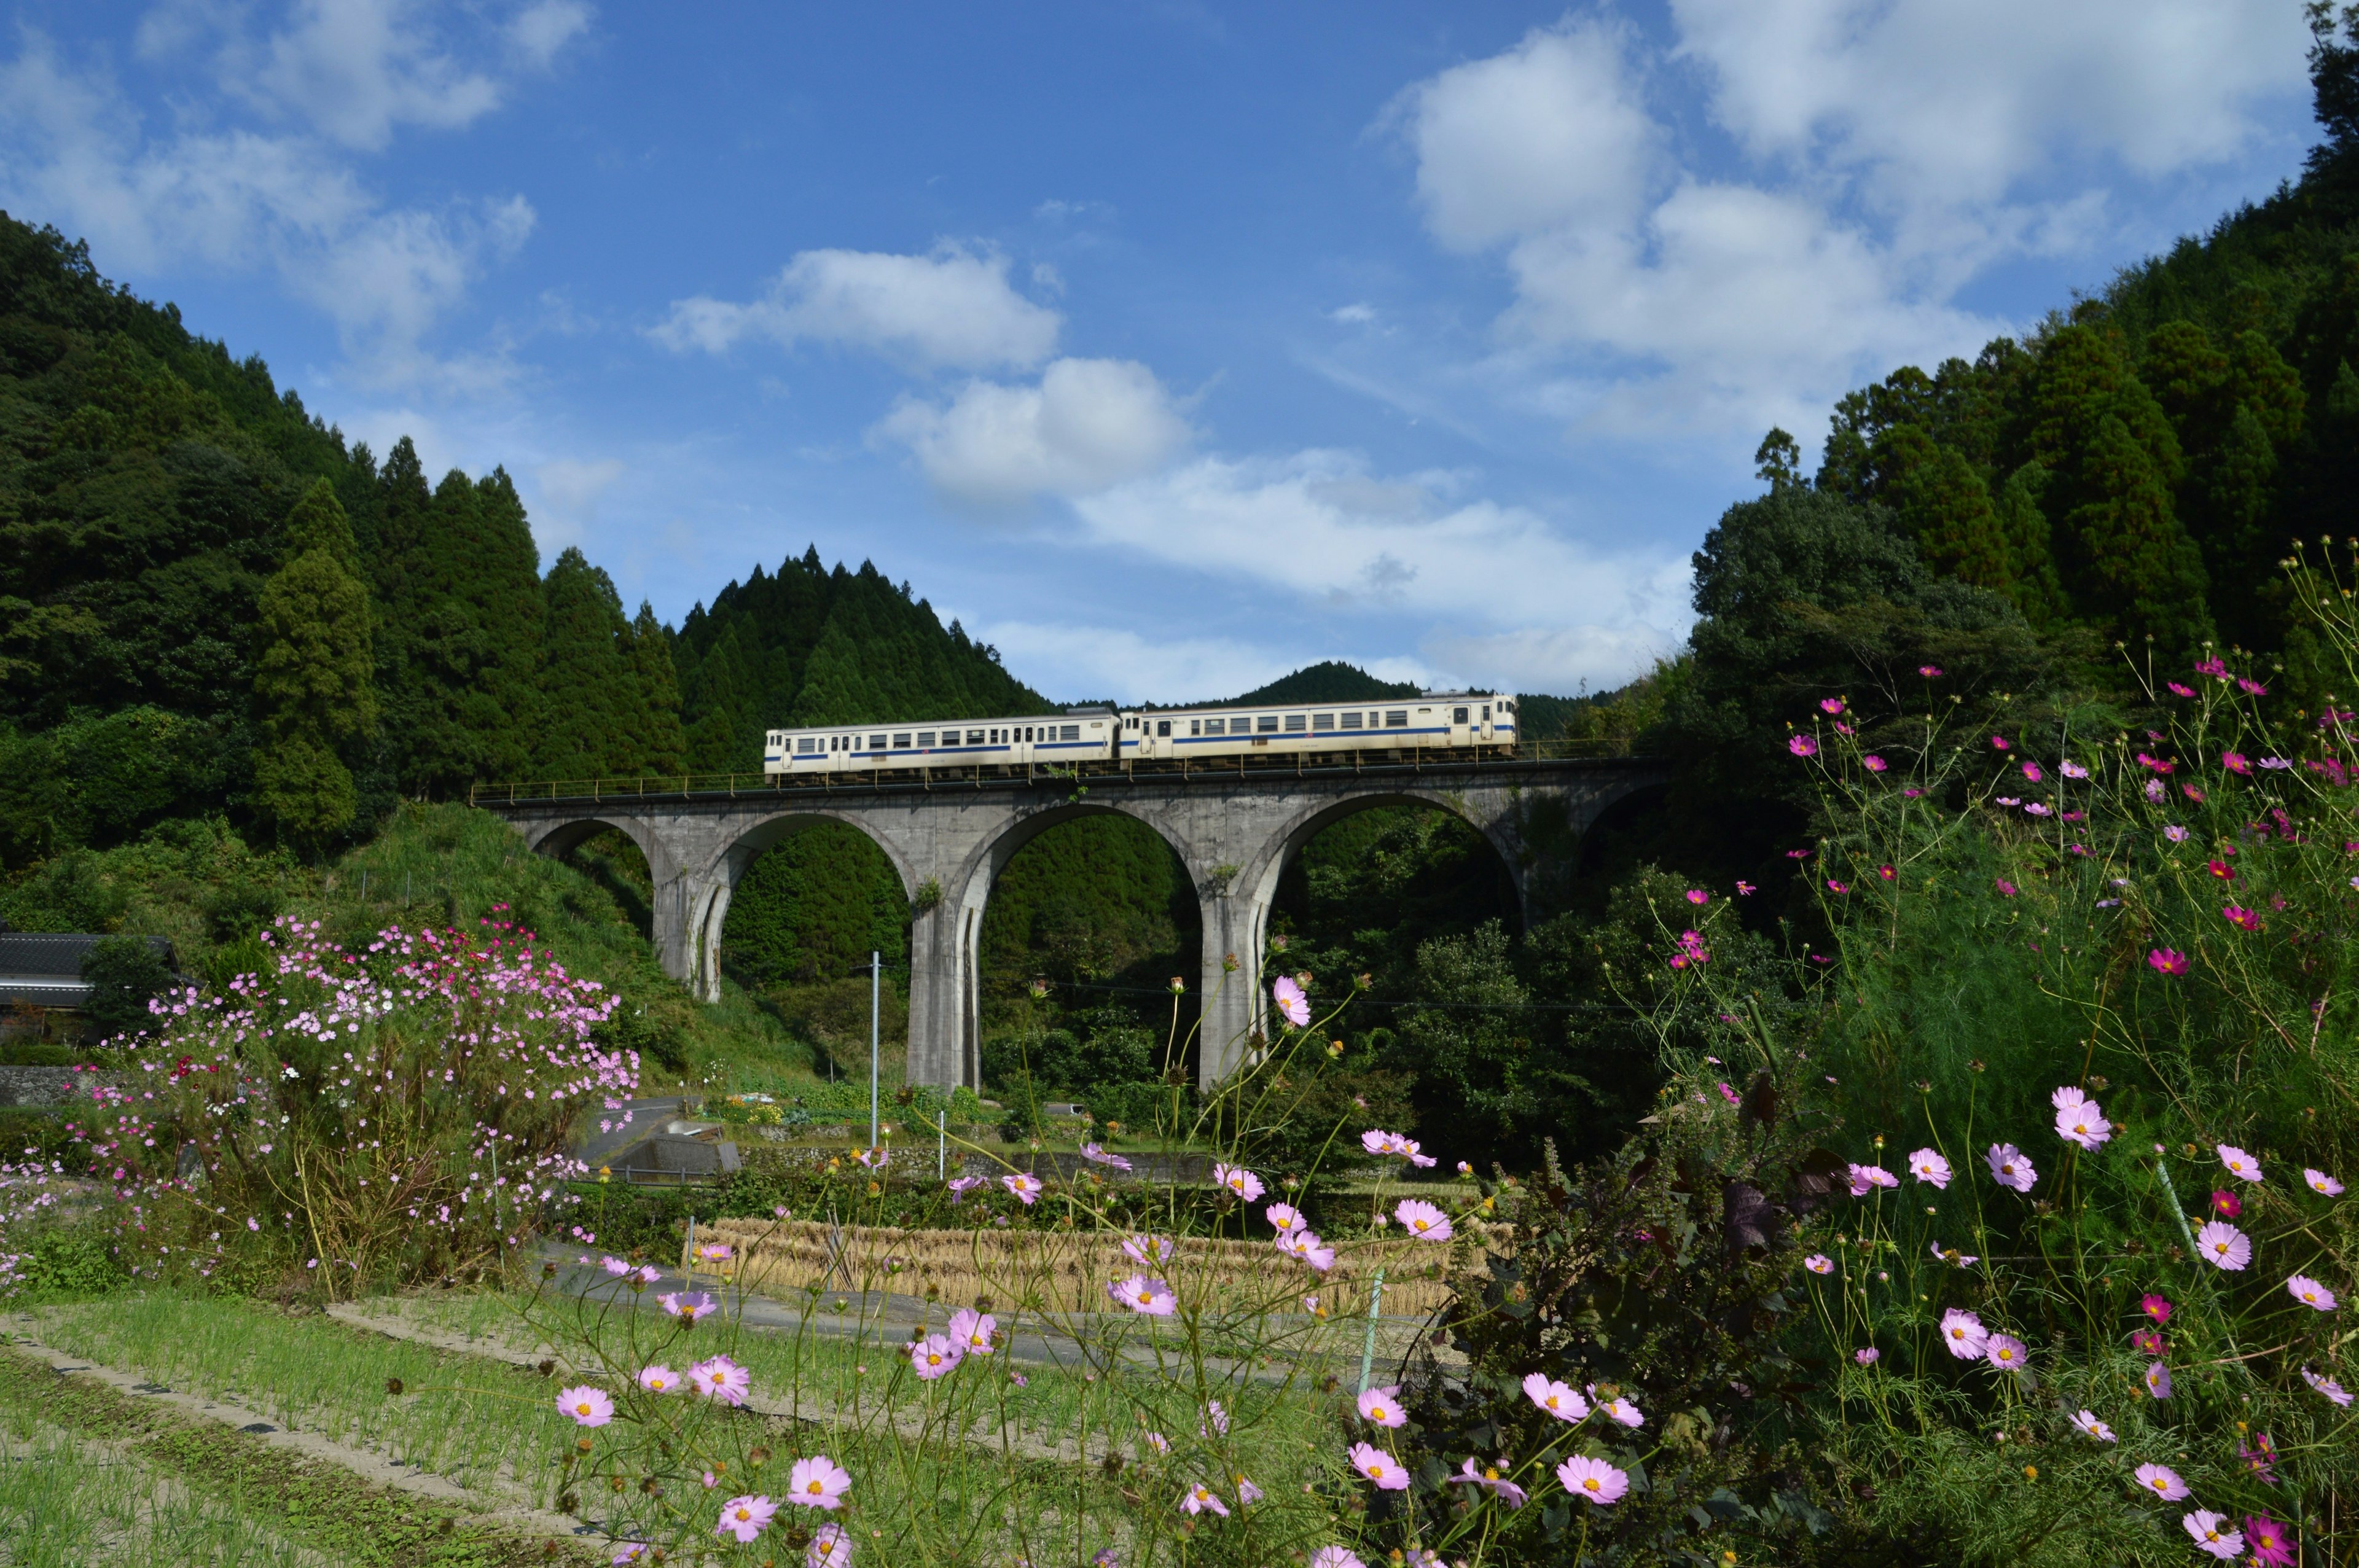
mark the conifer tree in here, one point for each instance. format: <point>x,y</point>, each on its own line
<point>596,724</point>
<point>313,673</point>
<point>663,747</point>
<point>2031,547</point>
<point>2138,571</point>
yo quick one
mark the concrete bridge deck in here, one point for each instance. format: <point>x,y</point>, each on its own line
<point>949,832</point>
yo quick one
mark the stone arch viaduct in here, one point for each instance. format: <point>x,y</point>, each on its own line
<point>949,840</point>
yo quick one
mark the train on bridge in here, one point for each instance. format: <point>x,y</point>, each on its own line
<point>1472,723</point>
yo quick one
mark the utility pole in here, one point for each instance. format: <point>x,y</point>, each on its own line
<point>875,983</point>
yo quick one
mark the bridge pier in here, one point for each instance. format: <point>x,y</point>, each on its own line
<point>1233,833</point>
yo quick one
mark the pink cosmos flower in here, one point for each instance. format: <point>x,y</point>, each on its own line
<point>629,1551</point>
<point>2327,1386</point>
<point>2149,1342</point>
<point>2223,1245</point>
<point>587,1406</point>
<point>1830,704</point>
<point>1335,1557</point>
<point>2240,917</point>
<point>2239,1164</point>
<point>818,1482</point>
<point>1024,1186</point>
<point>1802,745</point>
<point>1491,1481</point>
<point>2158,1380</point>
<point>2009,1168</point>
<point>1819,1263</point>
<point>2031,771</point>
<point>974,1331</point>
<point>1292,1003</point>
<point>1216,1419</point>
<point>1697,896</point>
<point>1928,670</point>
<point>2156,1307</point>
<point>1618,1409</point>
<point>1304,1247</point>
<point>2079,1119</point>
<point>1952,1257</point>
<point>2161,1481</point>
<point>1380,1467</point>
<point>1873,762</point>
<point>876,1159</point>
<point>2168,960</point>
<point>1414,1152</point>
<point>2006,888</point>
<point>1239,1180</point>
<point>961,1185</point>
<point>1201,1499</point>
<point>723,1379</point>
<point>1863,1177</point>
<point>1422,1220</point>
<point>2072,770</point>
<point>658,1379</point>
<point>1834,886</point>
<point>2234,762</point>
<point>1285,1216</point>
<point>1096,1155</point>
<point>935,1355</point>
<point>1867,1355</point>
<point>1557,1399</point>
<point>687,1307</point>
<point>2322,1184</point>
<point>1147,1249</point>
<point>1377,1140</point>
<point>1592,1480</point>
<point>1927,1165</point>
<point>2211,1534</point>
<point>1963,1333</point>
<point>745,1517</point>
<point>2005,1352</point>
<point>613,1266</point>
<point>830,1547</point>
<point>2087,1421</point>
<point>2270,1542</point>
<point>2179,690</point>
<point>1382,1406</point>
<point>1150,1298</point>
<point>2306,1290</point>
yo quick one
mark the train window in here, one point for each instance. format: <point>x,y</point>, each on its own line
<point>1322,721</point>
<point>900,741</point>
<point>925,739</point>
<point>806,744</point>
<point>1486,713</point>
<point>1267,723</point>
<point>876,742</point>
<point>974,737</point>
<point>1351,721</point>
<point>1296,722</point>
<point>1396,719</point>
<point>1163,727</point>
<point>1070,733</point>
<point>1458,716</point>
<point>1506,708</point>
<point>1195,727</point>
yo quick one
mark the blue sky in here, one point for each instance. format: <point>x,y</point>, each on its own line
<point>1169,346</point>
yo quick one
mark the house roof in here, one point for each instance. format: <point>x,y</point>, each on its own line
<point>43,968</point>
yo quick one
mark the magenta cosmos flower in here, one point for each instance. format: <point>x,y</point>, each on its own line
<point>2168,960</point>
<point>658,1379</point>
<point>935,1355</point>
<point>2211,1534</point>
<point>1557,1399</point>
<point>2309,1292</point>
<point>1491,1481</point>
<point>1379,1468</point>
<point>1240,1181</point>
<point>974,1331</point>
<point>2078,1118</point>
<point>587,1406</point>
<point>1592,1480</point>
<point>721,1379</point>
<point>1802,745</point>
<point>1149,1298</point>
<point>1963,1333</point>
<point>745,1517</point>
<point>1294,1007</point>
<point>2322,1184</point>
<point>1202,1499</point>
<point>2161,1481</point>
<point>1024,1186</point>
<point>1382,1406</point>
<point>2156,1307</point>
<point>1422,1220</point>
<point>818,1482</point>
<point>1873,762</point>
<point>2087,1421</point>
<point>2240,1164</point>
<point>2270,1542</point>
<point>1304,1247</point>
<point>2009,1168</point>
<point>1927,1165</point>
<point>2223,1245</point>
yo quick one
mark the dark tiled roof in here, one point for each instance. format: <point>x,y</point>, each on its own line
<point>44,967</point>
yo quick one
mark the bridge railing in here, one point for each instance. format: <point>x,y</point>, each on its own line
<point>675,786</point>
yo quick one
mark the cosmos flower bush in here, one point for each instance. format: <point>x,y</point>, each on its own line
<point>356,1119</point>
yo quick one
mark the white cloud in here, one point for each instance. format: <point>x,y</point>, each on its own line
<point>1073,661</point>
<point>1320,527</point>
<point>1356,315</point>
<point>1898,149</point>
<point>951,308</point>
<point>538,31</point>
<point>1089,424</point>
<point>357,69</point>
<point>565,498</point>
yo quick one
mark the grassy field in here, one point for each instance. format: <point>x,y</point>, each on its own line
<point>1027,1472</point>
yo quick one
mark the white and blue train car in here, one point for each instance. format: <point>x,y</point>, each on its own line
<point>1433,720</point>
<point>1048,740</point>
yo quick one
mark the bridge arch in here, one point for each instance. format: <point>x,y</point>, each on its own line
<point>714,881</point>
<point>556,838</point>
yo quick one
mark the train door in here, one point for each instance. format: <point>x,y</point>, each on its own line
<point>1482,723</point>
<point>1461,725</point>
